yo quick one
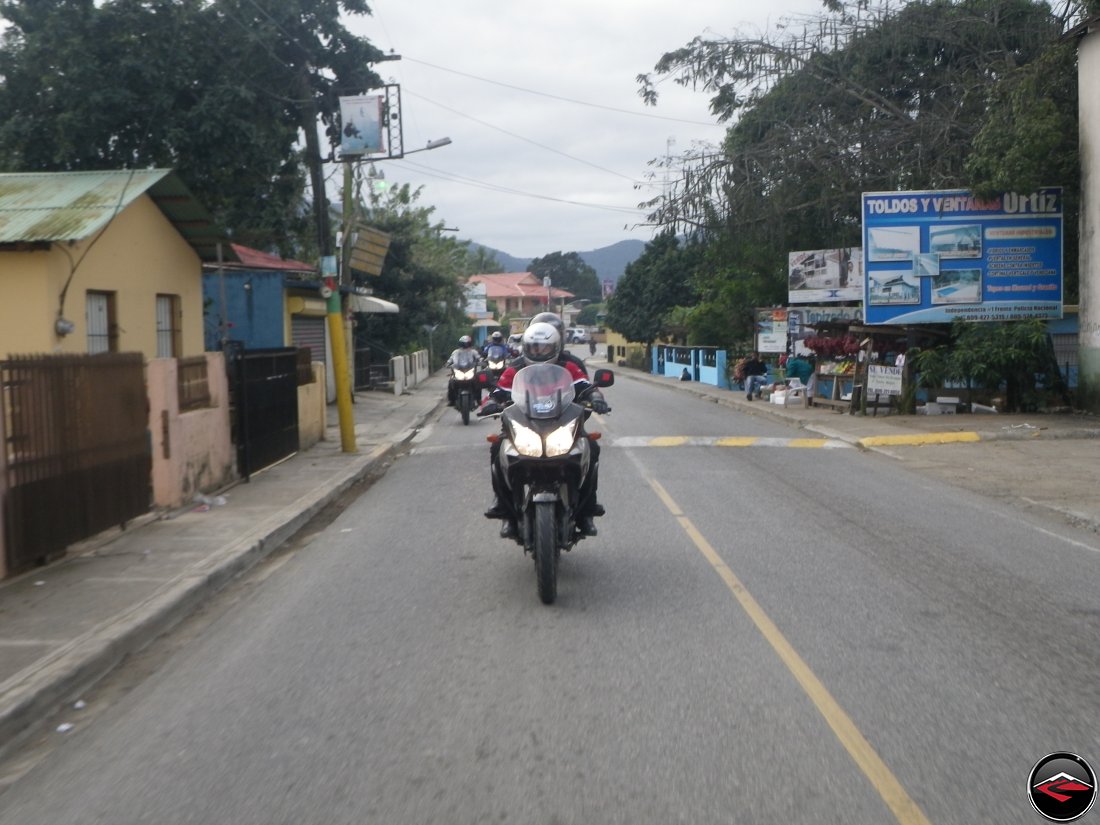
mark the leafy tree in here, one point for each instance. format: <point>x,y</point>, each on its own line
<point>590,315</point>
<point>654,283</point>
<point>1030,139</point>
<point>1017,357</point>
<point>424,273</point>
<point>865,98</point>
<point>220,91</point>
<point>568,271</point>
<point>480,261</point>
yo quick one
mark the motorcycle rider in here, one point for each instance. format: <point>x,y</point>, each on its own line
<point>496,351</point>
<point>556,322</point>
<point>463,356</point>
<point>495,344</point>
<point>542,344</point>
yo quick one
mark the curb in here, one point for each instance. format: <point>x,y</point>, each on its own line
<point>43,687</point>
<point>918,440</point>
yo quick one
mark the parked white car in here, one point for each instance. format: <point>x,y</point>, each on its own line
<point>576,335</point>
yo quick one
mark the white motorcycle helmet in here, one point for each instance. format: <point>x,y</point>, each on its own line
<point>541,343</point>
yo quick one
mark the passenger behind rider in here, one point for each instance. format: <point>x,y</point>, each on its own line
<point>542,343</point>
<point>554,321</point>
<point>463,357</point>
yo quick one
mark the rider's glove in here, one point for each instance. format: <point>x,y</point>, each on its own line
<point>600,406</point>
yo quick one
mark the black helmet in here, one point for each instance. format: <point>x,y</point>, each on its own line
<point>465,341</point>
<point>541,343</point>
<point>551,319</point>
<point>498,337</point>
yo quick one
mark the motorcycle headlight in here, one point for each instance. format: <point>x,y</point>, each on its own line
<point>561,440</point>
<point>465,375</point>
<point>496,365</point>
<point>527,441</point>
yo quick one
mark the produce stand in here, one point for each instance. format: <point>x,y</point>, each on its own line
<point>834,383</point>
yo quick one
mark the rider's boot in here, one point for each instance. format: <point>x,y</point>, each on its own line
<point>497,509</point>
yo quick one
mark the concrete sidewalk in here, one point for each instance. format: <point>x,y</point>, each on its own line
<point>64,626</point>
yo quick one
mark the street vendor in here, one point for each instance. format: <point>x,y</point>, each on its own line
<point>798,367</point>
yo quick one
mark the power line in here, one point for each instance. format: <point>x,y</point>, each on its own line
<point>439,174</point>
<point>559,97</point>
<point>526,140</point>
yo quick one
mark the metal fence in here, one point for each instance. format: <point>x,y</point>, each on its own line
<point>77,448</point>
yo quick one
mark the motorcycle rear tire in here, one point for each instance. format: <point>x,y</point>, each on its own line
<point>546,550</point>
<point>465,403</point>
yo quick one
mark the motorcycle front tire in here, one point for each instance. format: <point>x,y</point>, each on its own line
<point>546,550</point>
<point>464,403</point>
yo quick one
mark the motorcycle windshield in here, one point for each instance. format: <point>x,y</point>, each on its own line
<point>465,359</point>
<point>542,390</point>
<point>496,352</point>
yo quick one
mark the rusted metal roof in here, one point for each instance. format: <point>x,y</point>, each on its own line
<point>255,259</point>
<point>44,207</point>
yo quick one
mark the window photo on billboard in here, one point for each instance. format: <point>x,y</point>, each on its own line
<point>893,243</point>
<point>894,287</point>
<point>820,276</point>
<point>962,241</point>
<point>927,265</point>
<point>957,286</point>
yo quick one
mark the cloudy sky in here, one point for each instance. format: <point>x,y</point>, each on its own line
<point>551,144</point>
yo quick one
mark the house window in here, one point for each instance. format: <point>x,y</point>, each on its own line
<point>168,326</point>
<point>102,322</point>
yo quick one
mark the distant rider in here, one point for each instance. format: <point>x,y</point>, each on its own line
<point>462,358</point>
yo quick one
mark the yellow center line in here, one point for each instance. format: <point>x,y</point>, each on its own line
<point>668,441</point>
<point>905,810</point>
<point>807,442</point>
<point>736,441</point>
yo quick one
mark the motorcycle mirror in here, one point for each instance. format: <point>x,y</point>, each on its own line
<point>604,378</point>
<point>482,378</point>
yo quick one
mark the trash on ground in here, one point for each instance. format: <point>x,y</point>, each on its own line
<point>80,704</point>
<point>66,727</point>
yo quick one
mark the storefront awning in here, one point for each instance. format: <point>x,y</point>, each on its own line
<point>368,303</point>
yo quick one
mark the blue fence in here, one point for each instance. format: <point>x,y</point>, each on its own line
<point>704,364</point>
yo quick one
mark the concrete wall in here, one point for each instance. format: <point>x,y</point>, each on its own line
<point>312,413</point>
<point>192,451</point>
<point>138,256</point>
<point>1088,101</point>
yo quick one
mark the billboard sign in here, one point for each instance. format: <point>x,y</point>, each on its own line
<point>771,330</point>
<point>361,125</point>
<point>821,276</point>
<point>940,256</point>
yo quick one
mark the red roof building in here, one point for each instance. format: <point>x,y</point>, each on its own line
<point>520,293</point>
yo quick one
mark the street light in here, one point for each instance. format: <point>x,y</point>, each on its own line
<point>432,144</point>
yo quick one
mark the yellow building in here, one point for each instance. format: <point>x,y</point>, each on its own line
<point>621,351</point>
<point>102,262</point>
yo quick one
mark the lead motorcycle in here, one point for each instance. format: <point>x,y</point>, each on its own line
<point>545,456</point>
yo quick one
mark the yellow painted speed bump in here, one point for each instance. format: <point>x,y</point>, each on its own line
<point>918,440</point>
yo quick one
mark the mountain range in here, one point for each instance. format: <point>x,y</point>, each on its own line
<point>609,261</point>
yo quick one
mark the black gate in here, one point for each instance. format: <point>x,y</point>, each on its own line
<point>264,398</point>
<point>77,447</point>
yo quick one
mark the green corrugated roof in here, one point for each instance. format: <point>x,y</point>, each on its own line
<point>66,206</point>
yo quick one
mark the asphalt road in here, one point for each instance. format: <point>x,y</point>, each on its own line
<point>777,633</point>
